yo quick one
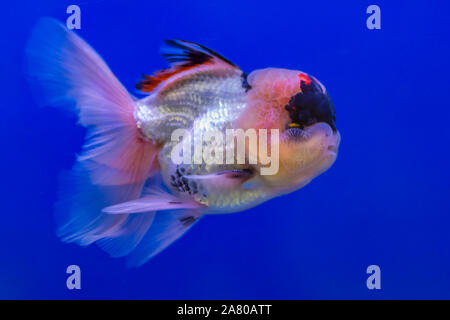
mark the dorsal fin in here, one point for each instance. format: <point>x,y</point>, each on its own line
<point>182,56</point>
<point>188,53</point>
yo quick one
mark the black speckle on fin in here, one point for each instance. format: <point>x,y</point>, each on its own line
<point>188,220</point>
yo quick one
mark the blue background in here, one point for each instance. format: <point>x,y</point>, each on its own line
<point>386,201</point>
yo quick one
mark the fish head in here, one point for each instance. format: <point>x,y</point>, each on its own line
<point>299,106</point>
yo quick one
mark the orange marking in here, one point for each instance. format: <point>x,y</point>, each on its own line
<point>149,83</point>
<point>305,78</point>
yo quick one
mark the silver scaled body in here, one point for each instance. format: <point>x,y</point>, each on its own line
<point>207,100</point>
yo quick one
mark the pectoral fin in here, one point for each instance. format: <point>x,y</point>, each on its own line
<point>156,201</point>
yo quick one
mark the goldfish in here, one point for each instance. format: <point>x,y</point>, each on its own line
<point>125,192</point>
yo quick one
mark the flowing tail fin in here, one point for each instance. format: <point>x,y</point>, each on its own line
<point>115,161</point>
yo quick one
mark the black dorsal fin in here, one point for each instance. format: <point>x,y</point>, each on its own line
<point>185,53</point>
<point>182,56</point>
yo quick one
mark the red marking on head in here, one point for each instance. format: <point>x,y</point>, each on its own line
<point>304,77</point>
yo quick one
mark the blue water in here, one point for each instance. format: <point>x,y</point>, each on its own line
<point>386,200</point>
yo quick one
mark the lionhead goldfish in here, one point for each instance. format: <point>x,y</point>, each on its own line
<point>124,192</point>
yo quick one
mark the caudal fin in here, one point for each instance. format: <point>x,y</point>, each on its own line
<point>115,161</point>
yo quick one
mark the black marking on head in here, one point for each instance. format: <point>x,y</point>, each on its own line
<point>245,83</point>
<point>311,106</point>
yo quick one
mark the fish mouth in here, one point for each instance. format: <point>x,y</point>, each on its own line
<point>335,141</point>
<point>307,152</point>
<point>333,149</point>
